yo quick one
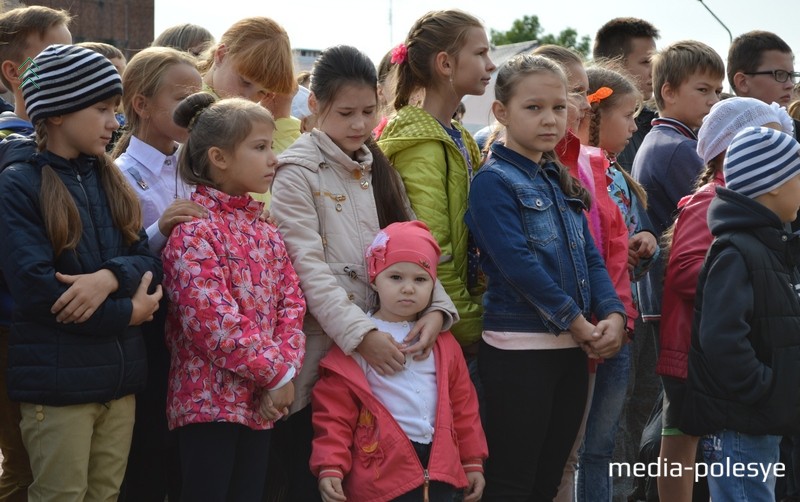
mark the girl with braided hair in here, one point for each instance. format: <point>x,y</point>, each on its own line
<point>614,101</point>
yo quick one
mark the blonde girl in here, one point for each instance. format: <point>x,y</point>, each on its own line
<point>234,326</point>
<point>527,215</point>
<point>77,264</point>
<point>333,191</point>
<point>155,81</point>
<point>446,55</point>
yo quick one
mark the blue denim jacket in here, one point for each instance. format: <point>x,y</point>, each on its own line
<point>540,261</point>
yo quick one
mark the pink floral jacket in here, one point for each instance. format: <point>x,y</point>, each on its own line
<point>235,319</point>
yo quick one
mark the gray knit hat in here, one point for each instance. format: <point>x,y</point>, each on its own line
<point>760,159</point>
<point>68,79</point>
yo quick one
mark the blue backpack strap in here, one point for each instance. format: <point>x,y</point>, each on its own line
<point>138,177</point>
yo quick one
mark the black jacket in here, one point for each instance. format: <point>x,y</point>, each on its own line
<point>744,361</point>
<point>60,364</point>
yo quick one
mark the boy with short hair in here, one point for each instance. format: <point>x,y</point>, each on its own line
<point>744,362</point>
<point>761,66</point>
<point>24,33</point>
<point>633,42</point>
<point>687,80</point>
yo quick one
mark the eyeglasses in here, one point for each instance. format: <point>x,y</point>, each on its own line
<point>780,76</point>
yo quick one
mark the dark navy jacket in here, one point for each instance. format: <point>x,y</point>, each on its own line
<point>16,146</point>
<point>744,360</point>
<point>61,364</point>
<point>542,266</point>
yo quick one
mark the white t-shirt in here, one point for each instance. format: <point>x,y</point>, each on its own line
<point>409,395</point>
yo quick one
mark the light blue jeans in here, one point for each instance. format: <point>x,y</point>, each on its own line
<point>726,449</point>
<point>594,483</point>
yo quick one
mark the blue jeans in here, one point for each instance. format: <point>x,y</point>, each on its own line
<point>610,386</point>
<point>731,447</point>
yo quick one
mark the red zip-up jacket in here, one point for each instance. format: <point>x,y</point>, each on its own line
<point>355,437</point>
<point>690,242</point>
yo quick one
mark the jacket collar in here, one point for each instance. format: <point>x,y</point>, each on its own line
<point>82,164</point>
<point>309,152</point>
<point>523,163</point>
<point>568,150</point>
<point>333,154</point>
<point>215,200</point>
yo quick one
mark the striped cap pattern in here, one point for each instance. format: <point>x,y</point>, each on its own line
<point>760,159</point>
<point>68,79</point>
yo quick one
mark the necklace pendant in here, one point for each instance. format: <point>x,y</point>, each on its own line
<point>364,183</point>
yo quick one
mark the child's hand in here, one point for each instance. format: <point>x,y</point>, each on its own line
<point>180,211</point>
<point>85,293</point>
<point>279,104</point>
<point>331,490</point>
<point>613,336</point>
<point>474,490</point>
<point>276,402</point>
<point>633,259</point>
<point>644,244</point>
<point>268,409</point>
<point>144,304</point>
<point>381,352</point>
<point>427,328</point>
<point>584,333</point>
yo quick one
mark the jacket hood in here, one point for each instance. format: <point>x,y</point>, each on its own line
<point>413,125</point>
<point>731,211</point>
<point>15,125</point>
<point>16,148</point>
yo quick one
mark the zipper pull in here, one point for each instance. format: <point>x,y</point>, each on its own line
<point>79,177</point>
<point>350,272</point>
<point>426,486</point>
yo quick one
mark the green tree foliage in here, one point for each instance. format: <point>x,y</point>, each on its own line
<point>528,28</point>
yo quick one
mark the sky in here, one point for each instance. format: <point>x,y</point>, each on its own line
<point>365,24</point>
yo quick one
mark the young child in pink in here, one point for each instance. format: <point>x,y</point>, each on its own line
<point>412,435</point>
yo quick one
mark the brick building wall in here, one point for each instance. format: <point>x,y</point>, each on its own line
<point>125,24</point>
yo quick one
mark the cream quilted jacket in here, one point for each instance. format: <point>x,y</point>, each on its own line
<point>325,209</point>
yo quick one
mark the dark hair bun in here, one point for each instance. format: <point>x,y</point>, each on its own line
<point>191,107</point>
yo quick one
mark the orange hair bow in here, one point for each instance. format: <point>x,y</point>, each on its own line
<point>600,94</point>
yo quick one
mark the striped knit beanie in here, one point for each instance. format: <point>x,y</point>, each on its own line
<point>760,159</point>
<point>67,79</point>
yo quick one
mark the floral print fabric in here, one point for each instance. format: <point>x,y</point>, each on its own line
<point>234,325</point>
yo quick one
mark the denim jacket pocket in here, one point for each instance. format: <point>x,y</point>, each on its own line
<point>537,216</point>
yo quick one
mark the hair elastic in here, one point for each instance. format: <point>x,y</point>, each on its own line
<point>399,53</point>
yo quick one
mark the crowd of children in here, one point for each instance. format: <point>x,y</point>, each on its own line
<point>316,287</point>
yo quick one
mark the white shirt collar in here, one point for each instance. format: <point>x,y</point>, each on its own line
<point>149,157</point>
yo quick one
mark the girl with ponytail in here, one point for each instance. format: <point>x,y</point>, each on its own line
<point>77,263</point>
<point>445,57</point>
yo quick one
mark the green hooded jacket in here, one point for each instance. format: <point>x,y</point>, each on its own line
<point>436,178</point>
